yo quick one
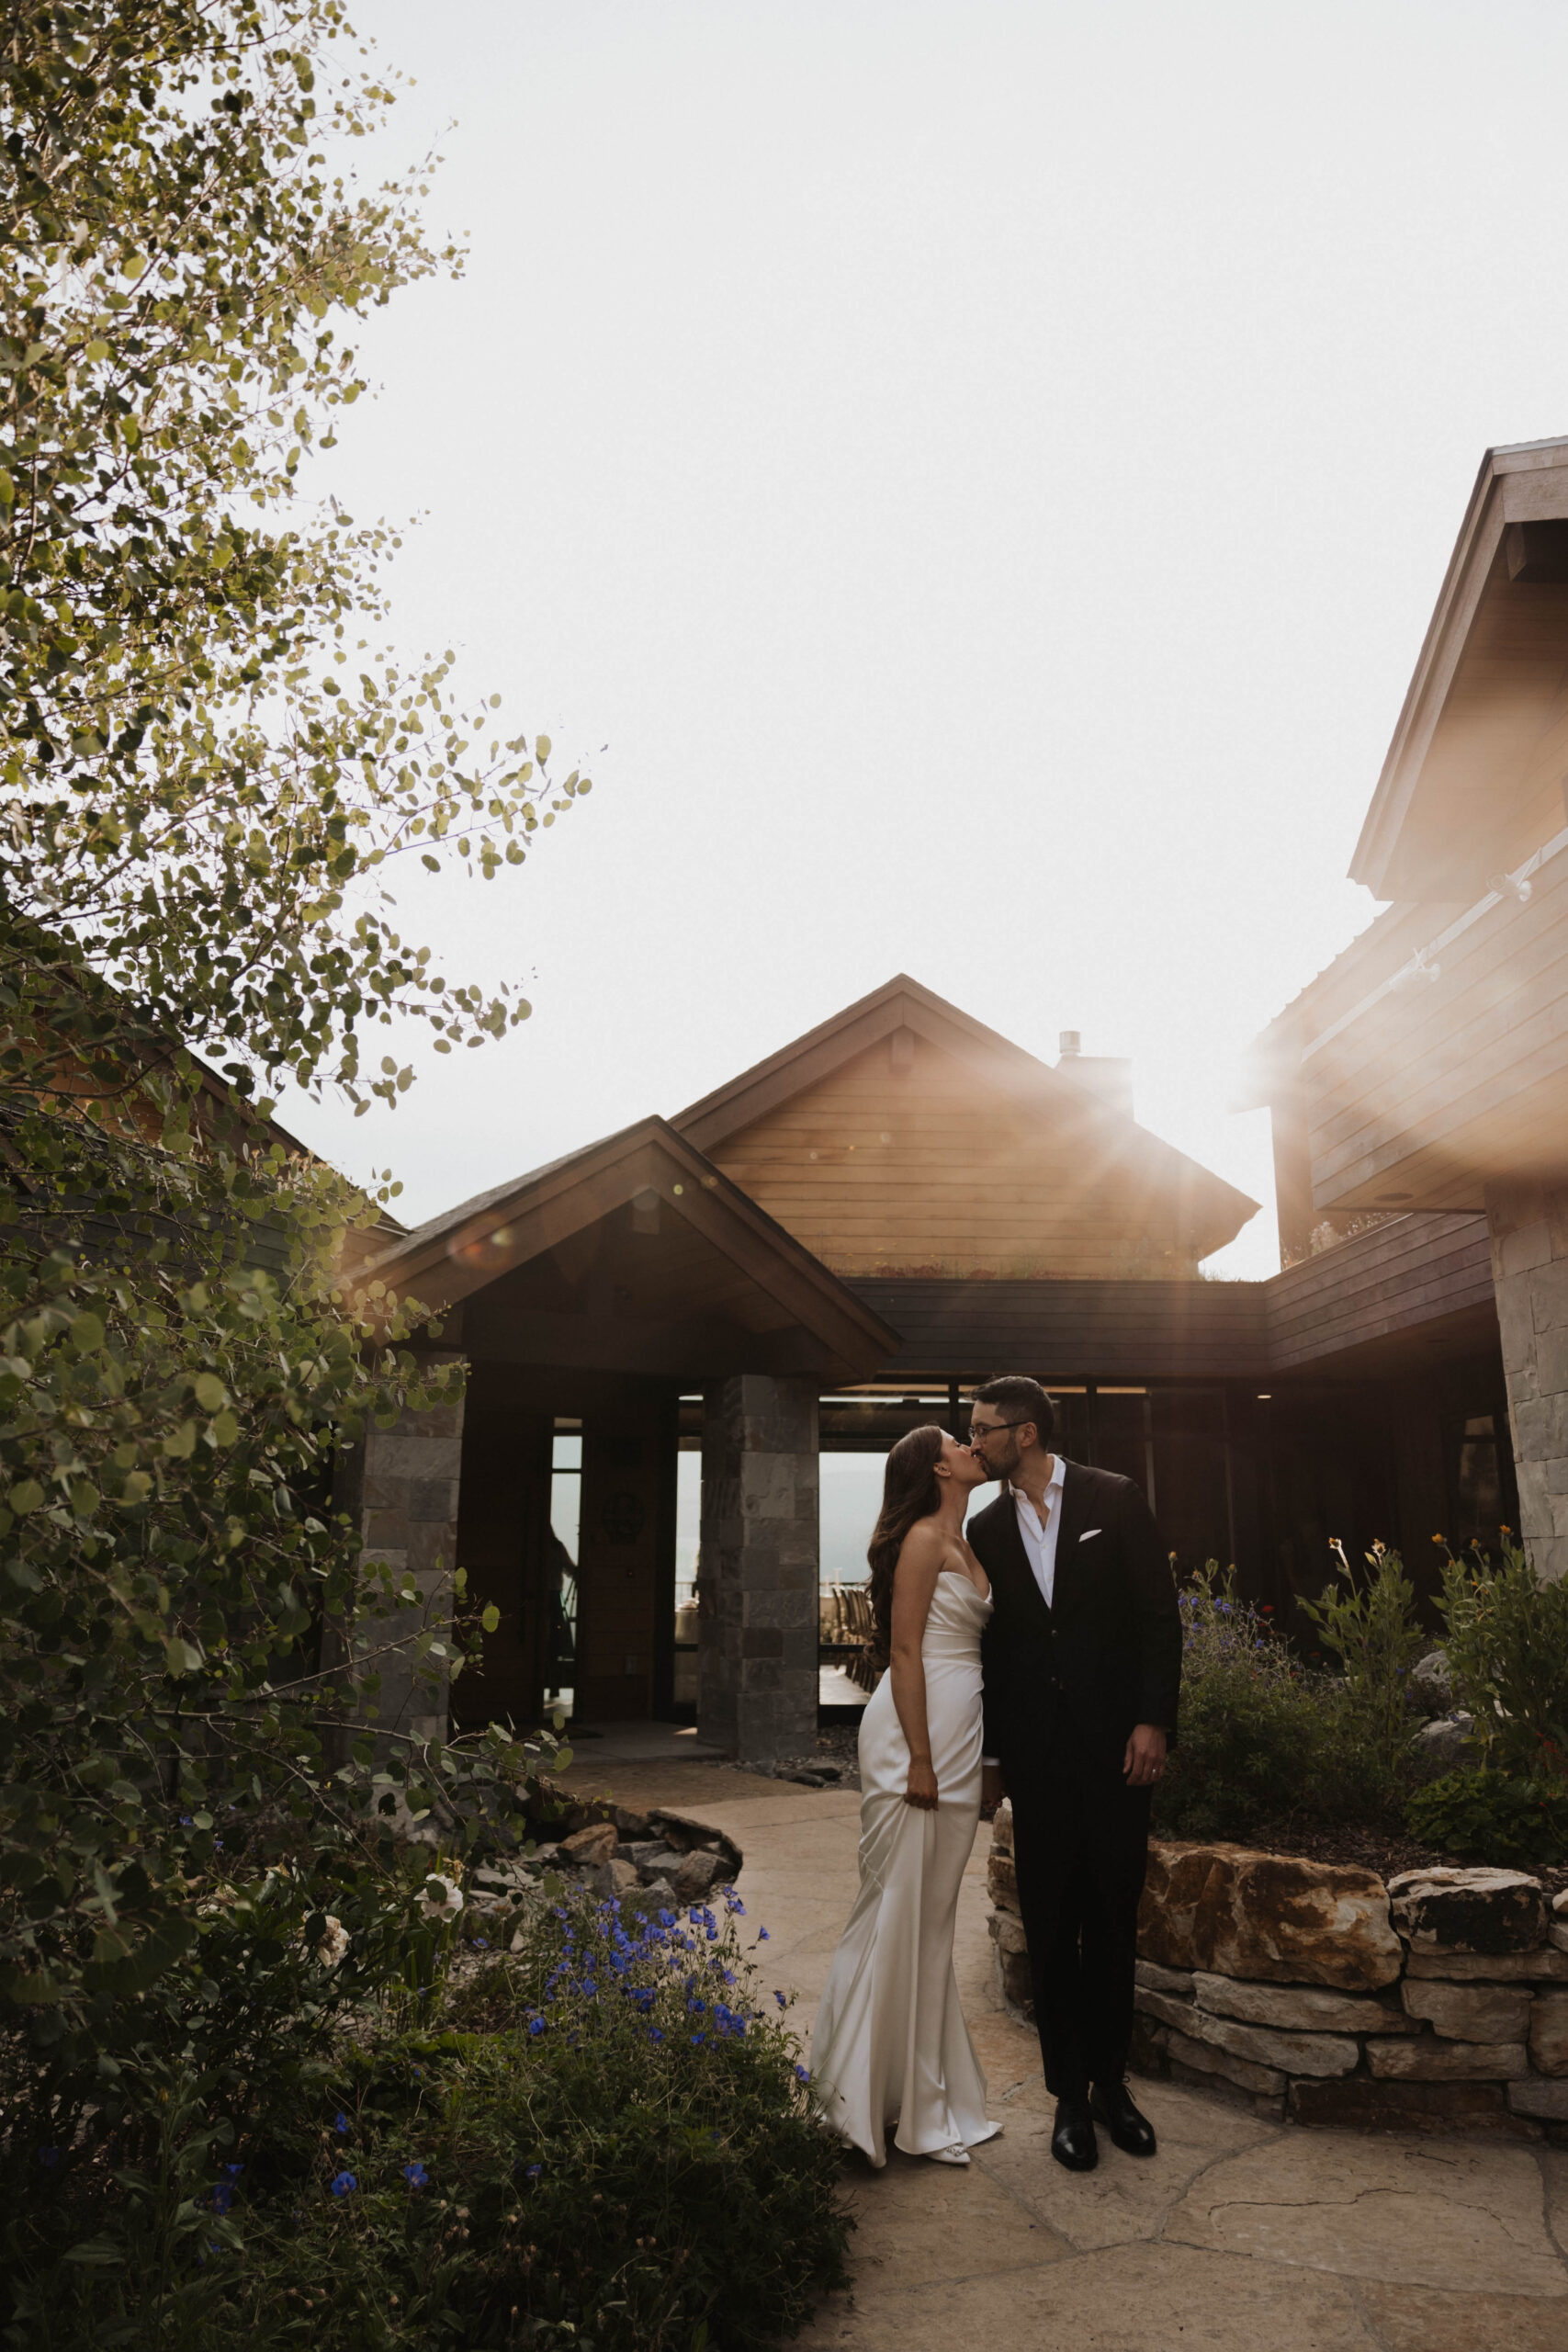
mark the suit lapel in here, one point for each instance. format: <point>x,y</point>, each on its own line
<point>1011,1572</point>
<point>1072,1571</point>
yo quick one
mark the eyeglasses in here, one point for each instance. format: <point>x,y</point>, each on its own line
<point>994,1429</point>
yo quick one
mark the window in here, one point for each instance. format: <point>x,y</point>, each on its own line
<point>560,1573</point>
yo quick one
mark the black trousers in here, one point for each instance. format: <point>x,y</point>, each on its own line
<point>1082,1849</point>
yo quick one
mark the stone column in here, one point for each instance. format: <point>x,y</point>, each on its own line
<point>757,1617</point>
<point>403,1485</point>
<point>1529,1272</point>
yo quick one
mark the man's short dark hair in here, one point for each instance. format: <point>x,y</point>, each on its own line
<point>1019,1399</point>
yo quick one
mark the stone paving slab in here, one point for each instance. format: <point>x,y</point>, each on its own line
<point>1239,2233</point>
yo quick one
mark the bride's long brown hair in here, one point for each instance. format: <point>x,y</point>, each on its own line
<point>911,1491</point>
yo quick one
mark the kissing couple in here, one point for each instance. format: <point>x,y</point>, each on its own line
<point>1036,1656</point>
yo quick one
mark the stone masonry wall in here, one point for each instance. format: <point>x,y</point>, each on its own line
<point>1438,2002</point>
<point>757,1624</point>
<point>402,1484</point>
<point>1529,1272</point>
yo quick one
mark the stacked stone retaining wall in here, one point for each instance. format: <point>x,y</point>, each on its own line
<point>1437,2001</point>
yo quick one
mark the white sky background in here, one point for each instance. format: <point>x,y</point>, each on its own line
<point>983,470</point>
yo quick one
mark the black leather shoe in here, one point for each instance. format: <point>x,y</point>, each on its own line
<point>1073,2142</point>
<point>1130,2131</point>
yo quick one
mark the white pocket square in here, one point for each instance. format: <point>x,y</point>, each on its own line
<point>1088,1533</point>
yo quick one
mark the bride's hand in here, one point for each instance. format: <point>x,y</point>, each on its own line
<point>919,1789</point>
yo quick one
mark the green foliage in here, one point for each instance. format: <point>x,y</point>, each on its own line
<point>1486,1816</point>
<point>208,777</point>
<point>606,2140</point>
<point>1373,1630</point>
<point>207,768</point>
<point>1267,1746</point>
<point>1506,1633</point>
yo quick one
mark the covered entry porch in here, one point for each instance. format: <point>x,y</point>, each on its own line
<point>587,1299</point>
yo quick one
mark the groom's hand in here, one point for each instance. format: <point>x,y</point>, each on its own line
<point>992,1789</point>
<point>1143,1763</point>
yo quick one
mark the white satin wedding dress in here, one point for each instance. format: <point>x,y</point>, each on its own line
<point>890,2044</point>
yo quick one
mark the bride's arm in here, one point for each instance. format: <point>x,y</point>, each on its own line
<point>914,1582</point>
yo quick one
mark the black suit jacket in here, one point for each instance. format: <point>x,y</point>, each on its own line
<point>1107,1653</point>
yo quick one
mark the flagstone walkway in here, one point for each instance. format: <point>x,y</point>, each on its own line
<point>1238,2236</point>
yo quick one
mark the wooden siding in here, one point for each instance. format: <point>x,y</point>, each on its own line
<point>1436,1087</point>
<point>902,1161</point>
<point>1412,1292</point>
<point>1414,1274</point>
<point>1063,1331</point>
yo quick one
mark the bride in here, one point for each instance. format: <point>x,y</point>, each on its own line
<point>890,2044</point>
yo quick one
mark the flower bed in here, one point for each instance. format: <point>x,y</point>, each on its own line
<point>1436,2000</point>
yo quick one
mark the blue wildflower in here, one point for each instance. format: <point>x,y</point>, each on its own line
<point>344,2185</point>
<point>696,2041</point>
<point>654,2034</point>
<point>481,1943</point>
<point>415,2175</point>
<point>534,2171</point>
<point>780,1999</point>
<point>342,2122</point>
<point>803,2075</point>
<point>222,2196</point>
<point>535,2024</point>
<point>761,1935</point>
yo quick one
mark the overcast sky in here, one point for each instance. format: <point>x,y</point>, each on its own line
<point>982,472</point>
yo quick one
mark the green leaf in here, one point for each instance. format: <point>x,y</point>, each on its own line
<point>26,1495</point>
<point>209,1392</point>
<point>178,1655</point>
<point>491,1618</point>
<point>88,1332</point>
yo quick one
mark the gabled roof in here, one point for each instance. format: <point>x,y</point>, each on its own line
<point>1489,671</point>
<point>468,1248</point>
<point>1212,1210</point>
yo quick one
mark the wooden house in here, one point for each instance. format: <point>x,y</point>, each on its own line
<point>836,1245</point>
<point>1419,1086</point>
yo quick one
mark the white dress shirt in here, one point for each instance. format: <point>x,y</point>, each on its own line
<point>1040,1542</point>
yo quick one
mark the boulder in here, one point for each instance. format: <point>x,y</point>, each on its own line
<point>1001,1881</point>
<point>1297,2008</point>
<point>1557,1936</point>
<point>1560,1904</point>
<point>1204,2059</point>
<point>1424,2061</point>
<point>1163,1980</point>
<point>1549,2032</point>
<point>1275,1918</point>
<point>630,1822</point>
<point>1444,1743</point>
<point>1001,1828</point>
<point>587,1846</point>
<point>612,1880</point>
<point>697,1876</point>
<point>1283,2053</point>
<point>1431,1684</point>
<point>1480,1911</point>
<point>1549,2101</point>
<point>1543,1966</point>
<point>1355,2104</point>
<point>1468,2012</point>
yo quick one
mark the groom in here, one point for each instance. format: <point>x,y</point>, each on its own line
<point>1082,1662</point>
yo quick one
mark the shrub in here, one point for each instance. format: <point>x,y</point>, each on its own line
<point>609,2142</point>
<point>1373,1630</point>
<point>1265,1744</point>
<point>1506,1637</point>
<point>1488,1815</point>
